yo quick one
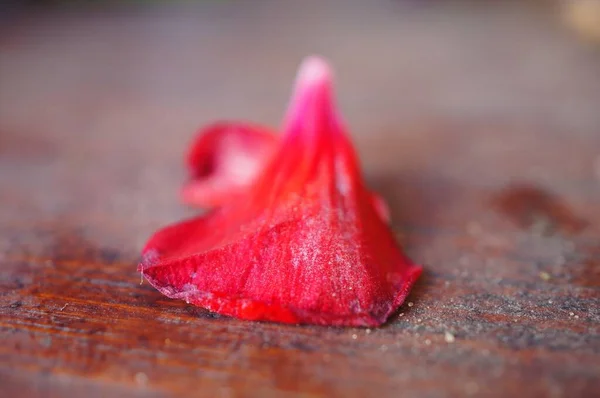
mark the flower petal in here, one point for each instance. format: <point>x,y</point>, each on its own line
<point>308,242</point>
<point>224,160</point>
<point>227,157</point>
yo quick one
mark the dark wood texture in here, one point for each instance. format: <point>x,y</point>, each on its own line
<point>480,125</point>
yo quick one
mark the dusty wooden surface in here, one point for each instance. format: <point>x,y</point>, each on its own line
<point>480,126</point>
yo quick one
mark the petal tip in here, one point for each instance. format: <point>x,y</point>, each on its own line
<point>314,69</point>
<point>312,97</point>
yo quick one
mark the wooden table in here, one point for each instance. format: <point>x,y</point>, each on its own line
<point>480,125</point>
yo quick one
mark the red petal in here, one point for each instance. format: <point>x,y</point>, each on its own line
<point>305,245</point>
<point>224,160</point>
<point>227,157</point>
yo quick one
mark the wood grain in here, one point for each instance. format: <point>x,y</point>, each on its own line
<point>480,127</point>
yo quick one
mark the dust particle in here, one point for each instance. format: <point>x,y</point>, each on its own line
<point>549,301</point>
<point>400,315</point>
<point>571,313</point>
<point>427,342</point>
<point>449,337</point>
<point>410,304</point>
<point>141,378</point>
<point>544,276</point>
<point>167,341</point>
<point>576,317</point>
<point>368,331</point>
<point>354,337</point>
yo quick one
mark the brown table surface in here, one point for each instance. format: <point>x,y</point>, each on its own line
<point>479,124</point>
